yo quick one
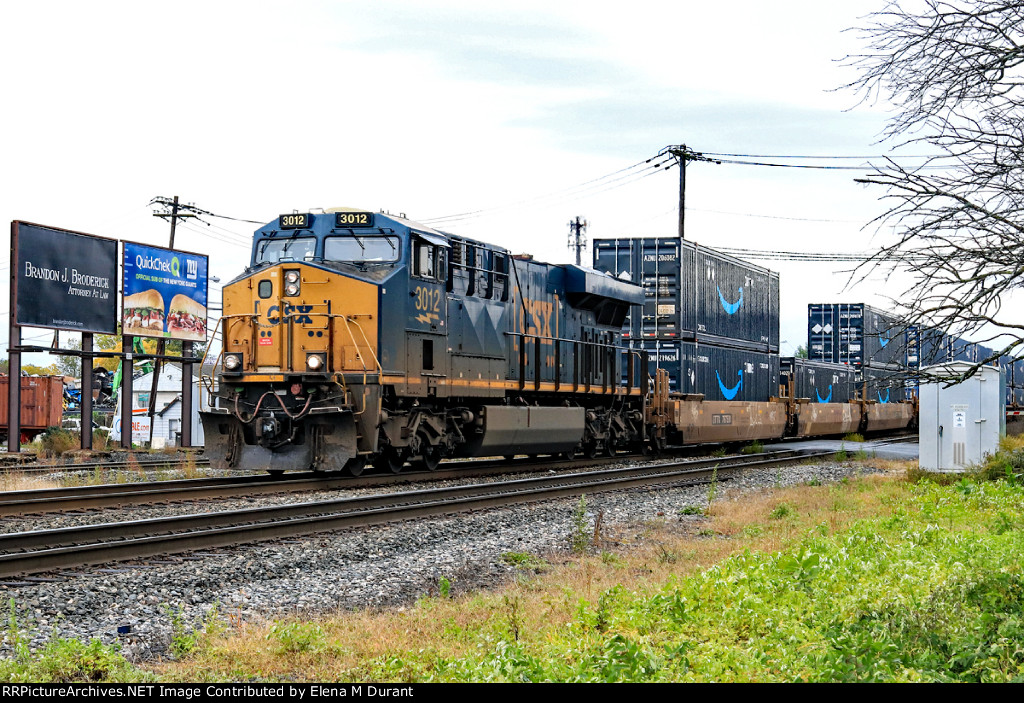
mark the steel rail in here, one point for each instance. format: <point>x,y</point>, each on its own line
<point>213,530</point>
<point>119,495</point>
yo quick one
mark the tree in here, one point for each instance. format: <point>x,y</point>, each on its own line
<point>70,365</point>
<point>801,351</point>
<point>953,71</point>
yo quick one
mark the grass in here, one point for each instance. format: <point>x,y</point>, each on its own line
<point>880,578</point>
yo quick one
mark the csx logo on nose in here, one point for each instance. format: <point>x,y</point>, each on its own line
<point>300,313</point>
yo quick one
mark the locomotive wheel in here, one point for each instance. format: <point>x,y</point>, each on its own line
<point>355,466</point>
<point>395,460</point>
<point>430,459</point>
<point>390,460</point>
<point>609,447</point>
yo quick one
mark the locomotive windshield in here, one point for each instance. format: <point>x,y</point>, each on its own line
<point>361,249</point>
<point>269,251</point>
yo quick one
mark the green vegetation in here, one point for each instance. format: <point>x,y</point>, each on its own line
<point>755,447</point>
<point>579,536</point>
<point>854,437</point>
<point>872,579</point>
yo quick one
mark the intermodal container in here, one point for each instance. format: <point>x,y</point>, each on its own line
<point>818,381</point>
<point>693,293</point>
<point>737,302</point>
<point>855,334</point>
<point>717,373</point>
<point>42,403</point>
<point>883,385</point>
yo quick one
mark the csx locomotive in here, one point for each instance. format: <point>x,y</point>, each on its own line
<point>356,337</point>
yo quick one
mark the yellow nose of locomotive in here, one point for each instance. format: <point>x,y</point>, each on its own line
<point>300,319</point>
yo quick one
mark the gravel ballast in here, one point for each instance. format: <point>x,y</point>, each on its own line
<point>374,567</point>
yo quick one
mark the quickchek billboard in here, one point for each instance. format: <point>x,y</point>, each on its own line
<point>164,293</point>
<point>65,280</point>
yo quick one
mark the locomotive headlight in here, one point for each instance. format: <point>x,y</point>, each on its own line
<point>315,362</point>
<point>292,280</point>
<point>232,362</point>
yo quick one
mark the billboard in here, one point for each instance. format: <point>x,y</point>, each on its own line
<point>65,280</point>
<point>164,293</point>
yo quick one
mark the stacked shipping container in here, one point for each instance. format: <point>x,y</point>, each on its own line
<point>819,381</point>
<point>710,320</point>
<point>887,352</point>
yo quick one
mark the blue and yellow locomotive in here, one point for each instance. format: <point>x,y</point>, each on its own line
<point>358,337</point>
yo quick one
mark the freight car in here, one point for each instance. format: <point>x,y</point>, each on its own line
<point>356,337</point>
<point>42,405</point>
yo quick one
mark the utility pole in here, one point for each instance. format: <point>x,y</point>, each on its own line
<point>576,239</point>
<point>186,347</point>
<point>683,156</point>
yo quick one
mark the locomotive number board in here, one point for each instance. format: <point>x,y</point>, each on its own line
<point>296,221</point>
<point>353,219</point>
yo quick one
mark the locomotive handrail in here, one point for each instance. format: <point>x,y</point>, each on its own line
<point>369,347</point>
<point>208,381</point>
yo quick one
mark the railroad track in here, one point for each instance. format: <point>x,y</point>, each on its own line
<point>105,465</point>
<point>120,495</point>
<point>48,550</point>
<point>39,501</point>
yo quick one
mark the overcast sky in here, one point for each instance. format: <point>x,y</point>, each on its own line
<point>517,112</point>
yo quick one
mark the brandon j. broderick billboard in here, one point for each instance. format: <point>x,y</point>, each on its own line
<point>164,293</point>
<point>65,280</point>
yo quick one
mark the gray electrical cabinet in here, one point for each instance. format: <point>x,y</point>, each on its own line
<point>960,424</point>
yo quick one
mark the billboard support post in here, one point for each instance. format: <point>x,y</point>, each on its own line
<point>14,356</point>
<point>186,395</point>
<point>86,390</point>
<point>127,390</point>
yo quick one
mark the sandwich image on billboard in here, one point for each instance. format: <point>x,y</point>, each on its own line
<point>144,313</point>
<point>165,293</point>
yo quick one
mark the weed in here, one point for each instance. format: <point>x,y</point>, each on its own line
<point>841,454</point>
<point>296,637</point>
<point>666,556</point>
<point>57,441</point>
<point>860,455</point>
<point>524,560</point>
<point>578,536</point>
<point>854,437</point>
<point>188,466</point>
<point>184,640</point>
<point>514,615</point>
<point>444,586</point>
<point>691,510</point>
<point>718,453</point>
<point>611,559</point>
<point>14,635</point>
<point>753,531</point>
<point>713,487</point>
<point>815,481</point>
<point>782,510</point>
<point>755,447</point>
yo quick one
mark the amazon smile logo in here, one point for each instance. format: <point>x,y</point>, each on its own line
<point>730,393</point>
<point>730,308</point>
<point>827,399</point>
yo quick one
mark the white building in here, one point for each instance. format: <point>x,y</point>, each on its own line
<point>168,411</point>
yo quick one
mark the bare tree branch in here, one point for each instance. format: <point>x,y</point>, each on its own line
<point>954,70</point>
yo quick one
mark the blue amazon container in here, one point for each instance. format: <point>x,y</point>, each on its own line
<point>717,373</point>
<point>818,381</point>
<point>693,293</point>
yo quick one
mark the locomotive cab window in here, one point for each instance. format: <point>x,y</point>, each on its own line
<point>358,249</point>
<point>429,261</point>
<point>270,251</point>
